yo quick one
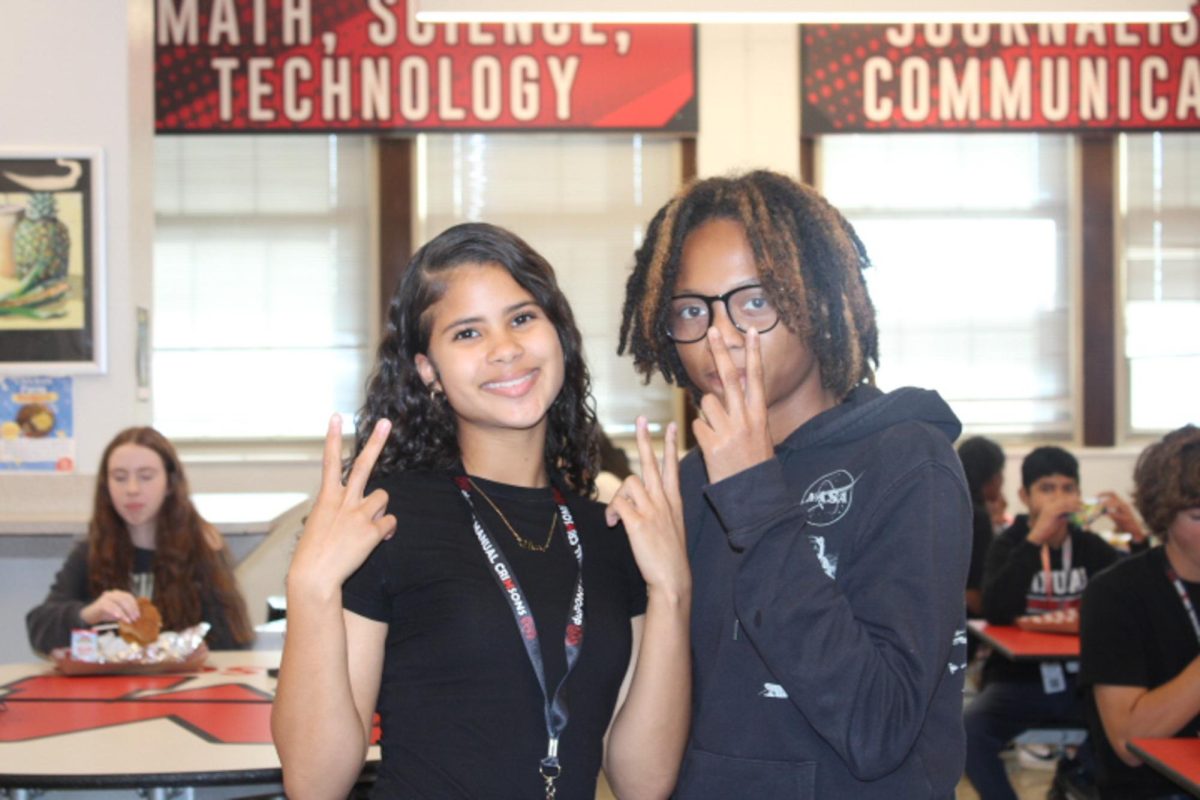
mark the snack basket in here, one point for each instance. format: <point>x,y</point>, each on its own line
<point>68,666</point>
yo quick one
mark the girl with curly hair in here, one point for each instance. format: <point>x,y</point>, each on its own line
<point>465,511</point>
<point>828,523</point>
<point>145,539</point>
<point>1139,627</point>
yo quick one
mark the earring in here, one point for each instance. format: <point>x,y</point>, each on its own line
<point>435,394</point>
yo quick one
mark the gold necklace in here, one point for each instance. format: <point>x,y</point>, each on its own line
<point>521,540</point>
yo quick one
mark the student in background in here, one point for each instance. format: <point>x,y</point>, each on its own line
<point>145,539</point>
<point>1140,632</point>
<point>1042,563</point>
<point>828,523</point>
<point>471,592</point>
<point>983,464</point>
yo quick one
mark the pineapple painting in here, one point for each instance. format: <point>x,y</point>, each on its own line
<point>41,242</point>
<point>46,263</point>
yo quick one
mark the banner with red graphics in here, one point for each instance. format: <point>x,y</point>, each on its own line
<point>918,77</point>
<point>240,66</point>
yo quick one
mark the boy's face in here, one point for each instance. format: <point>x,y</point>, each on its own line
<point>717,258</point>
<point>1052,495</point>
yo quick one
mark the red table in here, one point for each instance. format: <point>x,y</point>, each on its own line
<point>210,727</point>
<point>1022,645</point>
<point>1178,759</point>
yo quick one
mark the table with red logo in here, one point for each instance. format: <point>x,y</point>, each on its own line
<point>210,727</point>
<point>1178,759</point>
<point>1022,645</point>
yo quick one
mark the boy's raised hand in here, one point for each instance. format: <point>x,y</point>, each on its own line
<point>344,526</point>
<point>732,430</point>
<point>651,508</point>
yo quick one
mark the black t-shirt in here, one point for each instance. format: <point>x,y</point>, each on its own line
<point>461,710</point>
<point>1135,632</point>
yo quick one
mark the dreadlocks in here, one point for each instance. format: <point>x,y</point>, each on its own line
<point>809,258</point>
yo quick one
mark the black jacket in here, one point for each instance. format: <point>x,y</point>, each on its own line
<point>828,626</point>
<point>49,625</point>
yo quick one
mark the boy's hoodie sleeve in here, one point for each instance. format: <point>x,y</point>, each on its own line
<point>860,656</point>
<point>1009,569</point>
<point>49,624</point>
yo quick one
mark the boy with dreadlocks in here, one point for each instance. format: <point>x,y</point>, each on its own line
<point>828,523</point>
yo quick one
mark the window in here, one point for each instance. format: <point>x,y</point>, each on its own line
<point>1160,230</point>
<point>262,283</point>
<point>582,201</point>
<point>968,235</point>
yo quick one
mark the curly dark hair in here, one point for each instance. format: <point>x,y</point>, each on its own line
<point>1167,478</point>
<point>184,561</point>
<point>809,258</point>
<point>424,428</point>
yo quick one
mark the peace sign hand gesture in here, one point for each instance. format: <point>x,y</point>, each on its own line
<point>344,526</point>
<point>732,430</point>
<point>651,508</point>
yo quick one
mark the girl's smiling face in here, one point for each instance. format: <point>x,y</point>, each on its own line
<point>493,351</point>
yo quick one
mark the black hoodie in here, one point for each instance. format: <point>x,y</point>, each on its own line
<point>828,627</point>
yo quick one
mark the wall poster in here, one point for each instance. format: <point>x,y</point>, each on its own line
<point>51,263</point>
<point>1001,77</point>
<point>295,66</point>
<point>37,424</point>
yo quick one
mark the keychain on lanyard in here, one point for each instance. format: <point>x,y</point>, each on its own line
<point>555,706</point>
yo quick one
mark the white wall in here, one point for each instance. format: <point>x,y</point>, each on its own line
<point>749,99</point>
<point>79,73</point>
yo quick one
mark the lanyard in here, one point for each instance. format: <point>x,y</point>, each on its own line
<point>1048,574</point>
<point>1183,597</point>
<point>506,579</point>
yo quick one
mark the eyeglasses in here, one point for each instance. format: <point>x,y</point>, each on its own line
<point>746,306</point>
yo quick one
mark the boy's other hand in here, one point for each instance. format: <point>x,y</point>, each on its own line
<point>1121,513</point>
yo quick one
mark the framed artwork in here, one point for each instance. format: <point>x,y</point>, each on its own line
<point>52,262</point>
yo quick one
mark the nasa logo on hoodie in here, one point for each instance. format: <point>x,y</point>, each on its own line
<point>828,498</point>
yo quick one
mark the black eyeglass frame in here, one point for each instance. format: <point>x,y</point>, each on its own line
<point>709,299</point>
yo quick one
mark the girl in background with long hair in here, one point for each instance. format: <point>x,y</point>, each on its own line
<point>145,539</point>
<point>466,510</point>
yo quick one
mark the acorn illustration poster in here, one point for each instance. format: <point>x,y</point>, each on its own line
<point>50,277</point>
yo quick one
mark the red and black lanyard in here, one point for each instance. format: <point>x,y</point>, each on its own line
<point>1048,573</point>
<point>1185,599</point>
<point>510,587</point>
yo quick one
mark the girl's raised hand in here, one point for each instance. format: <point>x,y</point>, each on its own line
<point>651,508</point>
<point>344,526</point>
<point>732,430</point>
